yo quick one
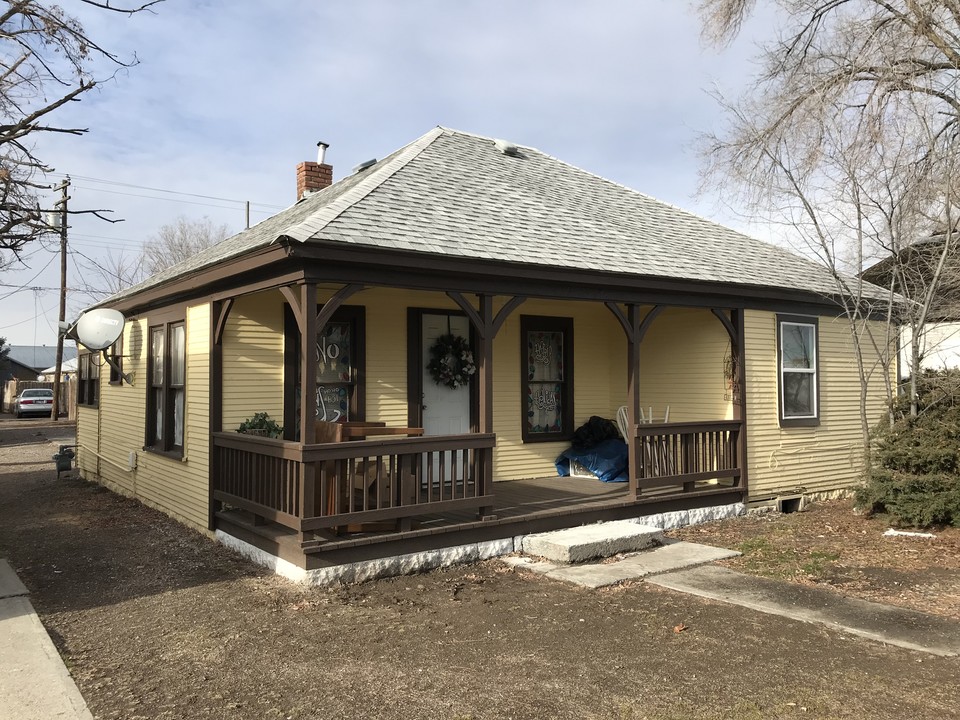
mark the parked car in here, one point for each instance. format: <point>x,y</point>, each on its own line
<point>37,401</point>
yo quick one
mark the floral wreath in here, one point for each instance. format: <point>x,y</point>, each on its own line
<point>451,361</point>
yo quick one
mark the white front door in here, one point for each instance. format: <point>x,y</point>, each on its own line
<point>446,411</point>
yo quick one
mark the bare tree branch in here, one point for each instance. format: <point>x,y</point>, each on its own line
<point>47,60</point>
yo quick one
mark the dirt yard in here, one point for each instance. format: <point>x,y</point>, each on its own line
<point>156,621</point>
<point>828,545</point>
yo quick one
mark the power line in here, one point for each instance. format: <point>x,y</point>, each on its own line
<point>21,287</point>
<point>163,190</point>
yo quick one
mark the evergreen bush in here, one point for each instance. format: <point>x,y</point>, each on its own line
<point>915,474</point>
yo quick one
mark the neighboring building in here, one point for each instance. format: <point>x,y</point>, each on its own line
<point>575,295</point>
<point>28,362</point>
<point>68,370</point>
<point>940,337</point>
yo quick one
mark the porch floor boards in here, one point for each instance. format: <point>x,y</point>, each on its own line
<point>514,498</point>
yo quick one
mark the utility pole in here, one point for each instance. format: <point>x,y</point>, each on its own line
<point>61,204</point>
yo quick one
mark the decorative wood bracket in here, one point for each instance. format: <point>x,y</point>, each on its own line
<point>731,330</point>
<point>486,327</point>
<point>331,305</point>
<point>290,295</point>
<point>221,325</point>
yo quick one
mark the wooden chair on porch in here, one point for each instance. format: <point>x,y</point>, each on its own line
<point>368,493</point>
<point>656,456</point>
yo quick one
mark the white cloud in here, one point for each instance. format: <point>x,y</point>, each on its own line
<point>228,97</point>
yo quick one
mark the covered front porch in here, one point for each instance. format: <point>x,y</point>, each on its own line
<point>308,500</point>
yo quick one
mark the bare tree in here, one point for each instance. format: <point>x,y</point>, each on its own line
<point>179,240</point>
<point>849,137</point>
<point>46,61</point>
<point>104,277</point>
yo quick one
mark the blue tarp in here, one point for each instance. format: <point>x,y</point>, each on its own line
<point>608,460</point>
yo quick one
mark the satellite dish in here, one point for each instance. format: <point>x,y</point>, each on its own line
<point>99,329</point>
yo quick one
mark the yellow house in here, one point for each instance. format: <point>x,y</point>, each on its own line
<point>470,305</point>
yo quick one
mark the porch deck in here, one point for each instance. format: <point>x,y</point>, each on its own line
<point>313,503</point>
<point>520,507</point>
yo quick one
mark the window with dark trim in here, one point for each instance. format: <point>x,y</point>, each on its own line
<point>340,362</point>
<point>798,370</point>
<point>116,355</point>
<point>546,371</point>
<point>166,392</point>
<point>88,380</point>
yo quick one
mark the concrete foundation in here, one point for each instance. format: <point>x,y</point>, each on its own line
<point>457,554</point>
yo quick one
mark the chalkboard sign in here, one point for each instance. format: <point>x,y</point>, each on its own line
<point>333,403</point>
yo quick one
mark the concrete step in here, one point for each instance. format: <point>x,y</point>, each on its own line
<point>589,542</point>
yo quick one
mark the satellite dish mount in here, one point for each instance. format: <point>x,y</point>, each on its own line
<point>97,330</point>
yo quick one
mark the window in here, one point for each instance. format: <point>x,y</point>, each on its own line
<point>339,355</point>
<point>166,399</point>
<point>88,382</point>
<point>336,376</point>
<point>546,354</point>
<point>799,382</point>
<point>116,355</point>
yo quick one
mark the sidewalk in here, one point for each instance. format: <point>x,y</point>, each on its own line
<point>34,682</point>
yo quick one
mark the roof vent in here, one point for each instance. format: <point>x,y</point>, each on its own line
<point>364,165</point>
<point>507,148</point>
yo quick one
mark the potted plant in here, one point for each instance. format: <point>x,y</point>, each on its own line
<point>261,424</point>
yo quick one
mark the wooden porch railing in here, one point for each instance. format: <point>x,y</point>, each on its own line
<point>313,487</point>
<point>687,453</point>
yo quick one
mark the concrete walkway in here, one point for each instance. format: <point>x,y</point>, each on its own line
<point>34,682</point>
<point>886,623</point>
<point>685,567</point>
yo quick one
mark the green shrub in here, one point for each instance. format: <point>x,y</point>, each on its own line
<point>261,424</point>
<point>915,475</point>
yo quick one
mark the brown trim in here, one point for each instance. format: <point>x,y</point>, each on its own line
<point>308,374</point>
<point>727,323</point>
<point>273,283</point>
<point>647,321</point>
<point>223,313</point>
<point>622,319</point>
<point>421,270</point>
<point>290,295</point>
<point>786,422</point>
<point>330,307</point>
<point>291,366</point>
<point>200,283</point>
<point>215,417</point>
<point>369,548</point>
<point>740,408</point>
<point>505,312</point>
<point>532,323</point>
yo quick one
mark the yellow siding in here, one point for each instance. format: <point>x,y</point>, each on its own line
<point>816,459</point>
<point>253,359</point>
<point>178,487</point>
<point>682,366</point>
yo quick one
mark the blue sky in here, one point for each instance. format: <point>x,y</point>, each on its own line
<point>228,97</point>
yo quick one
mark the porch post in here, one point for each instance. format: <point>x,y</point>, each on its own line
<point>308,392</point>
<point>485,365</point>
<point>218,313</point>
<point>738,349</point>
<point>308,363</point>
<point>633,396</point>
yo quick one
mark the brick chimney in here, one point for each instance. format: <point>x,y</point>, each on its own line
<point>314,176</point>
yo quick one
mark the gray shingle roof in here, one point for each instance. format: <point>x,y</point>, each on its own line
<point>38,357</point>
<point>453,193</point>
